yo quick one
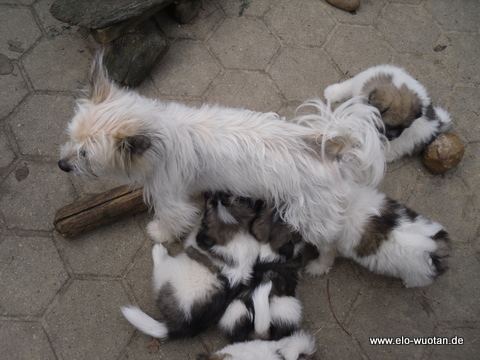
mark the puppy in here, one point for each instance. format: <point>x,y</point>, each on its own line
<point>295,347</point>
<point>175,151</point>
<point>267,308</point>
<point>390,239</point>
<point>193,289</point>
<point>410,120</point>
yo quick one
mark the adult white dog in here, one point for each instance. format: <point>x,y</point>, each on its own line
<point>307,168</point>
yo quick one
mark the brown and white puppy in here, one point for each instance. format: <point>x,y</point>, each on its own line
<point>410,120</point>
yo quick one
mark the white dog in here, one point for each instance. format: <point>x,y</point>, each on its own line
<point>411,122</point>
<point>307,168</point>
<point>298,346</point>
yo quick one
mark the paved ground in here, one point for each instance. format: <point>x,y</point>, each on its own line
<point>59,299</point>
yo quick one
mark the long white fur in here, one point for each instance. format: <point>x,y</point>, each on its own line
<point>261,305</point>
<point>145,323</point>
<point>406,252</point>
<point>213,148</point>
<point>289,348</point>
<point>235,312</point>
<point>285,310</point>
<point>421,129</point>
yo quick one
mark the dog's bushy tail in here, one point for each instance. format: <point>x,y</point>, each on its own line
<point>353,128</point>
<point>144,322</point>
<point>444,118</point>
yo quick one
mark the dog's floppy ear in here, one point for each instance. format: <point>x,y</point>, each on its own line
<point>135,144</point>
<point>99,87</point>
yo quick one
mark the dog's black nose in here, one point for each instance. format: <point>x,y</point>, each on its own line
<point>63,165</point>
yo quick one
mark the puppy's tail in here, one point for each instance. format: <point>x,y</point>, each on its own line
<point>444,118</point>
<point>261,305</point>
<point>350,134</point>
<point>298,344</point>
<point>144,322</point>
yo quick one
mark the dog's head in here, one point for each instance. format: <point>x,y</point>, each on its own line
<point>106,135</point>
<point>398,106</point>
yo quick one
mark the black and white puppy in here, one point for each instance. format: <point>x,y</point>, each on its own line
<point>193,289</point>
<point>411,122</point>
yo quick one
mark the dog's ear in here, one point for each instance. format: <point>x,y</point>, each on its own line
<point>135,144</point>
<point>99,86</point>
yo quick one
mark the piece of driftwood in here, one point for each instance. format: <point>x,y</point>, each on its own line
<point>98,210</point>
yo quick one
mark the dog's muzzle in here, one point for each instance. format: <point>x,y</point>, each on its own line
<point>63,165</point>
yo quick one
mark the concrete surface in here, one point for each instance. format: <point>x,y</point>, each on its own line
<point>59,299</point>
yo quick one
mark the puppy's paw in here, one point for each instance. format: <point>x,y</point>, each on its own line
<point>158,233</point>
<point>317,268</point>
<point>159,252</point>
<point>334,93</point>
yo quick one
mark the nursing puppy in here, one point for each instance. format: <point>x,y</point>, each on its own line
<point>267,307</point>
<point>390,239</point>
<point>175,151</point>
<point>298,346</point>
<point>411,122</point>
<point>193,289</point>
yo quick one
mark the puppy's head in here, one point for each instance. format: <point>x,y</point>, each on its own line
<point>106,135</point>
<point>398,106</point>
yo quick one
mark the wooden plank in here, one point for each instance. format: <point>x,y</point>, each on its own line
<point>99,210</point>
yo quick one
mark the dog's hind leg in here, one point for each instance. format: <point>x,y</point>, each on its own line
<point>324,262</point>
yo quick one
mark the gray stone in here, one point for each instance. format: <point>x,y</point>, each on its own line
<point>31,193</point>
<point>447,12</point>
<point>232,44</point>
<point>106,251</point>
<point>183,11</point>
<point>365,15</point>
<point>31,273</point>
<point>100,14</point>
<point>245,7</point>
<point>24,340</point>
<point>291,21</point>
<point>465,110</point>
<point>6,65</point>
<point>469,349</point>
<point>8,156</point>
<point>252,90</point>
<point>130,58</point>
<point>13,90</point>
<point>86,321</point>
<point>38,125</point>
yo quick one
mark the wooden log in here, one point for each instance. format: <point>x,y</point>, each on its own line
<point>99,210</point>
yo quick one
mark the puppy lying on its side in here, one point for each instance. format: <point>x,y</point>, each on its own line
<point>411,122</point>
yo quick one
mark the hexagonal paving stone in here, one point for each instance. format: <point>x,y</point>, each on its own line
<point>447,13</point>
<point>8,156</point>
<point>31,273</point>
<point>243,43</point>
<point>468,169</point>
<point>104,251</point>
<point>344,287</point>
<point>245,7</point>
<point>197,29</point>
<point>18,31</point>
<point>12,90</point>
<point>302,77</point>
<point>32,193</point>
<point>401,178</point>
<point>50,25</point>
<point>434,197</point>
<point>455,294</point>
<point>422,33</point>
<point>249,90</point>
<point>59,63</point>
<point>186,70</point>
<point>350,41</point>
<point>364,15</point>
<point>86,322</point>
<point>39,124</point>
<point>305,24</point>
<point>390,313</point>
<point>24,340</point>
<point>465,110</point>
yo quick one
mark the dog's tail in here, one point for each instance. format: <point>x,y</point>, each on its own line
<point>298,344</point>
<point>144,322</point>
<point>444,118</point>
<point>261,306</point>
<point>350,134</point>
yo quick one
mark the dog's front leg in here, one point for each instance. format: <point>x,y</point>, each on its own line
<point>173,219</point>
<point>339,92</point>
<point>324,262</point>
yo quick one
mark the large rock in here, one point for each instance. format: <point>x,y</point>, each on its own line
<point>444,153</point>
<point>130,58</point>
<point>183,11</point>
<point>101,14</point>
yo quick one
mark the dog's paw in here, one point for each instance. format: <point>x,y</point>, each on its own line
<point>159,252</point>
<point>158,233</point>
<point>333,93</point>
<point>317,268</point>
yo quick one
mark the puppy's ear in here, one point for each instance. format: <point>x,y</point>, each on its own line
<point>99,87</point>
<point>135,145</point>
